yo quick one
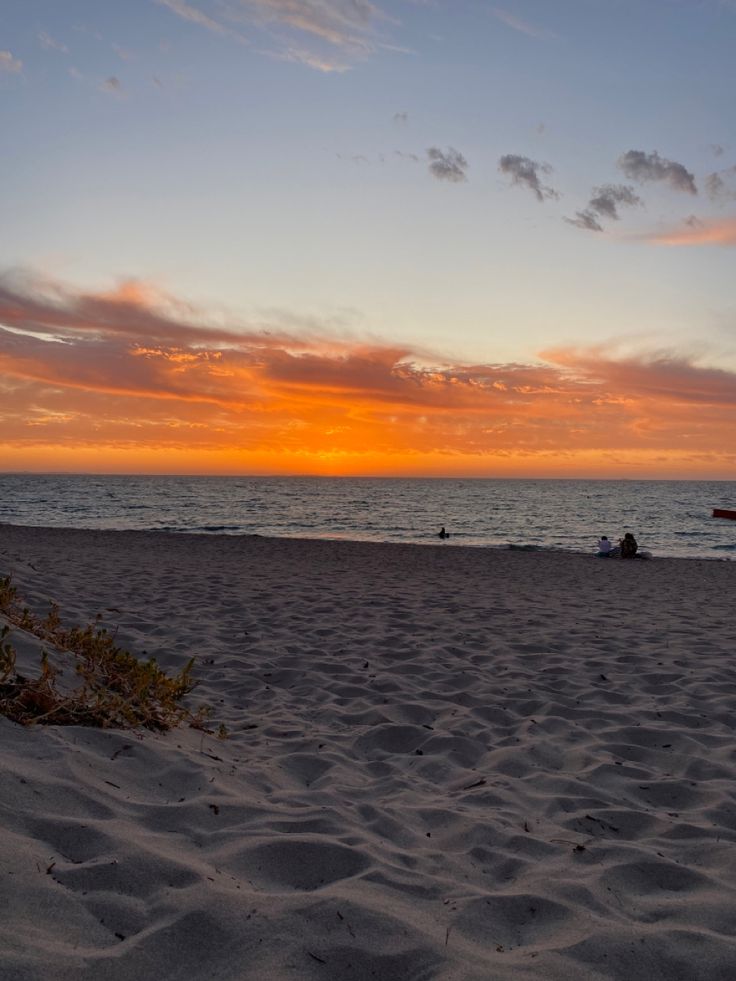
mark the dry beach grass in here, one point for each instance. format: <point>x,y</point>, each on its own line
<point>442,763</point>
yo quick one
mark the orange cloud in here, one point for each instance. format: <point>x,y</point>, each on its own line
<point>717,232</point>
<point>134,379</point>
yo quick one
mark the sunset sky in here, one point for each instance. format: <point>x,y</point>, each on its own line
<point>411,237</point>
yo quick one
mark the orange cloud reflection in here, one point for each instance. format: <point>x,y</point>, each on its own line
<point>718,232</point>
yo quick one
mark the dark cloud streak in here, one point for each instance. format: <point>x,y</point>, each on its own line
<point>608,197</point>
<point>604,203</point>
<point>586,220</point>
<point>526,173</point>
<point>447,165</point>
<point>717,185</point>
<point>644,167</point>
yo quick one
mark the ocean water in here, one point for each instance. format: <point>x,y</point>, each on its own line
<point>669,518</point>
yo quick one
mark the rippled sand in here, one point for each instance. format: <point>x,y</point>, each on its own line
<point>443,763</point>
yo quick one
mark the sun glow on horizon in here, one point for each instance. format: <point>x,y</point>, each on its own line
<point>551,465</point>
<point>138,382</point>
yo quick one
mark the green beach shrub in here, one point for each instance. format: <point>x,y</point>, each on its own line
<point>116,689</point>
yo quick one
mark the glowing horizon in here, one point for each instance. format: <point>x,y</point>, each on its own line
<point>400,258</point>
<point>136,378</point>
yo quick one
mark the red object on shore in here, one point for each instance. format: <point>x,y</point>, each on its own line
<point>723,513</point>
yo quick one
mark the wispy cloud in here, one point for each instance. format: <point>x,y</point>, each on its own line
<point>51,44</point>
<point>527,173</point>
<point>112,86</point>
<point>327,35</point>
<point>124,53</point>
<point>607,199</point>
<point>326,62</point>
<point>10,64</point>
<point>721,184</point>
<point>586,219</point>
<point>698,232</point>
<point>604,203</point>
<point>196,16</point>
<point>135,367</point>
<point>340,22</point>
<point>523,26</point>
<point>447,165</point>
<point>643,167</point>
<point>357,158</point>
<point>658,376</point>
<point>89,31</point>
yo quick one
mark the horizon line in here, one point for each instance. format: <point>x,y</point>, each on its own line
<point>310,476</point>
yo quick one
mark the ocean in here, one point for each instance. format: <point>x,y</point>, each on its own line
<point>668,518</point>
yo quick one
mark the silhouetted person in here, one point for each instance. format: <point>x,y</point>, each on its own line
<point>629,547</point>
<point>443,533</point>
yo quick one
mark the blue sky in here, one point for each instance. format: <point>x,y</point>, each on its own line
<point>477,181</point>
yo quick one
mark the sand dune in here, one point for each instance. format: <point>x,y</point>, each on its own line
<point>443,763</point>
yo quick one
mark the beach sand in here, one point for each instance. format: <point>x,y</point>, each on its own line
<point>443,763</point>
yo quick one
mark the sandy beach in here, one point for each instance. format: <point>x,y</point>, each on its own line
<point>442,763</point>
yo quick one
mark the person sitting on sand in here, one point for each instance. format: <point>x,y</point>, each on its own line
<point>442,533</point>
<point>629,546</point>
<point>604,548</point>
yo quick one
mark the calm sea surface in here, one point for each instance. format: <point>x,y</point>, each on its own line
<point>669,518</point>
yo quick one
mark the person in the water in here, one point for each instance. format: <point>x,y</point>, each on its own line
<point>442,533</point>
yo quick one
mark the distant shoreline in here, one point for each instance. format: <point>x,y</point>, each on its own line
<point>668,518</point>
<point>322,541</point>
